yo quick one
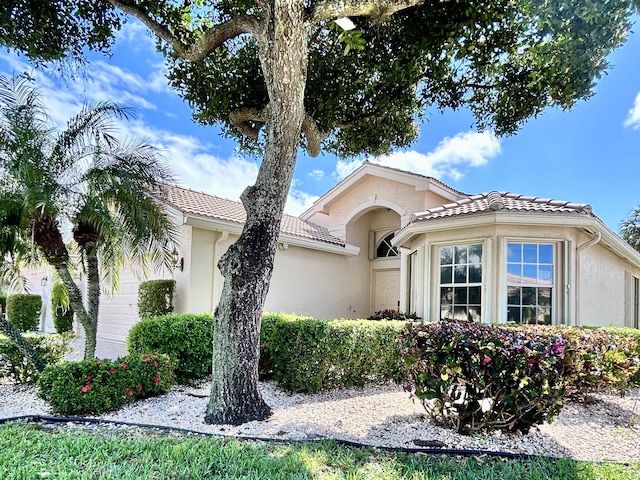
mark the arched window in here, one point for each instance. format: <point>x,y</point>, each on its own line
<point>385,249</point>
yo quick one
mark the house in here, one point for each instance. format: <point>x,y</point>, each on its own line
<point>390,239</point>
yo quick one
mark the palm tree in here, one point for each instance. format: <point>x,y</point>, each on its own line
<point>82,180</point>
<point>630,228</point>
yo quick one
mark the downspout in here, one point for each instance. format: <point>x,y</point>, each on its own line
<point>596,238</point>
<point>224,235</point>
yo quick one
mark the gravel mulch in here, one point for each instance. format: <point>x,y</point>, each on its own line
<point>606,430</point>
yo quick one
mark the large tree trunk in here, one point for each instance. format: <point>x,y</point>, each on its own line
<point>248,264</point>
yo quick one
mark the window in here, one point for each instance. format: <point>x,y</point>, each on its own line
<point>385,249</point>
<point>530,282</point>
<point>461,282</point>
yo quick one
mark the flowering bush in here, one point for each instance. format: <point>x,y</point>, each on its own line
<point>95,385</point>
<point>475,376</point>
<point>600,360</point>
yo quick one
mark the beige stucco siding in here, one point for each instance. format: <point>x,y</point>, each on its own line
<point>601,295</point>
<point>370,192</point>
<point>310,282</point>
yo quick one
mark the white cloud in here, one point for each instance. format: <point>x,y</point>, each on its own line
<point>345,168</point>
<point>299,202</point>
<point>317,174</point>
<point>633,118</point>
<point>450,158</point>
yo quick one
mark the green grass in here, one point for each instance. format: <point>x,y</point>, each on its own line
<point>29,451</point>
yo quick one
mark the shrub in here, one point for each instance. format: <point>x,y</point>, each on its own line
<point>3,303</point>
<point>393,315</point>
<point>474,376</point>
<point>23,310</point>
<point>308,355</point>
<point>155,298</point>
<point>96,386</point>
<point>599,359</point>
<point>187,338</point>
<point>61,311</point>
<point>52,348</point>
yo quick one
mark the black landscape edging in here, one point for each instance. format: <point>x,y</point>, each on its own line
<point>346,443</point>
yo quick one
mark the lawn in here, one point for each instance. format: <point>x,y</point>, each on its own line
<point>31,451</point>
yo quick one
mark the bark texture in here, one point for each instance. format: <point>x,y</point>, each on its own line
<point>248,264</point>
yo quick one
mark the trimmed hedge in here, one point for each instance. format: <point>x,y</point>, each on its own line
<point>601,359</point>
<point>304,354</point>
<point>52,348</point>
<point>3,302</point>
<point>187,338</point>
<point>61,311</point>
<point>155,298</point>
<point>96,386</point>
<point>23,310</point>
<point>473,376</point>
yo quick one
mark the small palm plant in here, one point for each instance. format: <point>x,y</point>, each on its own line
<point>85,180</point>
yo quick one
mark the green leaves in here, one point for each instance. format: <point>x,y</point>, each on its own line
<point>352,39</point>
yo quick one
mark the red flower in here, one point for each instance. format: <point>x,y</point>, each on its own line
<point>113,370</point>
<point>139,387</point>
<point>486,361</point>
<point>155,379</point>
<point>86,388</point>
<point>89,378</point>
<point>123,366</point>
<point>147,358</point>
<point>130,393</point>
<point>99,362</point>
<point>155,364</point>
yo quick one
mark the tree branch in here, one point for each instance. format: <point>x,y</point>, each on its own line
<point>212,39</point>
<point>376,9</point>
<point>241,118</point>
<point>313,135</point>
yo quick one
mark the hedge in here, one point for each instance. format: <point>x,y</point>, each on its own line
<point>61,311</point>
<point>187,338</point>
<point>52,348</point>
<point>308,355</point>
<point>155,298</point>
<point>23,310</point>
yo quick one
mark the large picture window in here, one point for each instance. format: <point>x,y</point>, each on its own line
<point>530,282</point>
<point>461,282</point>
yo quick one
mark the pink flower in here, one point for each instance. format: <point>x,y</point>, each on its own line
<point>113,370</point>
<point>124,366</point>
<point>486,361</point>
<point>130,393</point>
<point>139,387</point>
<point>147,358</point>
<point>155,364</point>
<point>86,388</point>
<point>155,379</point>
<point>89,378</point>
<point>99,362</point>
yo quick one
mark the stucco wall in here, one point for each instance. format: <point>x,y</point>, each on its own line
<point>601,295</point>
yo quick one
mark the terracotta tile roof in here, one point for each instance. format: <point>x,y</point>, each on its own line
<point>493,201</point>
<point>217,208</point>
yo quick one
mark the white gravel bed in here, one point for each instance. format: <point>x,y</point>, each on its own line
<point>607,430</point>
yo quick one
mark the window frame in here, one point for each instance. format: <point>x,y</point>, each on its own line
<point>555,286</point>
<point>481,283</point>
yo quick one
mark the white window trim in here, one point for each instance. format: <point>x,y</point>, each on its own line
<point>434,268</point>
<point>560,264</point>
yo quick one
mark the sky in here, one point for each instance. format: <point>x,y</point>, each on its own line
<point>590,154</point>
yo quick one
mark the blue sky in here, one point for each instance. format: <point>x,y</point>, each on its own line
<point>590,154</point>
